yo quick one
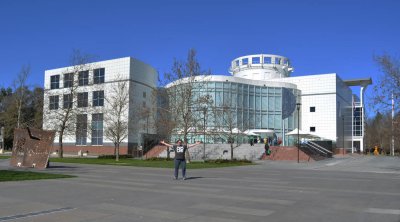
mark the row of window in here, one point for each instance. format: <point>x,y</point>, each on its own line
<point>97,129</point>
<point>82,100</point>
<point>83,79</point>
<point>266,60</point>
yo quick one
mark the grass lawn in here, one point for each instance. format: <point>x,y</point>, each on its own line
<point>5,157</point>
<point>11,175</point>
<point>148,163</point>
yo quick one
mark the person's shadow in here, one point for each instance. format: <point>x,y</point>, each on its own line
<point>193,178</point>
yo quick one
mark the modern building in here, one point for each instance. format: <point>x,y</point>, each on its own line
<point>89,93</point>
<point>265,98</point>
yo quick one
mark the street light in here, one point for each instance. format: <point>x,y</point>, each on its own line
<point>343,132</point>
<point>298,131</point>
<point>204,131</point>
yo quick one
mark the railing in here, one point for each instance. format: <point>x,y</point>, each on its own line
<point>316,149</point>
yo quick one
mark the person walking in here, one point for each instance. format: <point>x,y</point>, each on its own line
<point>180,150</point>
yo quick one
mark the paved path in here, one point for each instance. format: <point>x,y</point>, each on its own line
<point>340,189</point>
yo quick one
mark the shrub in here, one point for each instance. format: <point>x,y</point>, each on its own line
<point>228,161</point>
<point>113,156</point>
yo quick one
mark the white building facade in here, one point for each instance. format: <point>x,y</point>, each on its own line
<point>264,97</point>
<point>87,88</point>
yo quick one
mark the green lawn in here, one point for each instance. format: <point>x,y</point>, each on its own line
<point>12,175</point>
<point>148,163</point>
<point>5,157</point>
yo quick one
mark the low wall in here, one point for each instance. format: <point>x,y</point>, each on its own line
<point>287,153</point>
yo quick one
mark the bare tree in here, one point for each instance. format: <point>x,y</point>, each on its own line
<point>388,89</point>
<point>387,84</point>
<point>20,91</point>
<point>63,119</point>
<point>181,92</point>
<point>117,106</point>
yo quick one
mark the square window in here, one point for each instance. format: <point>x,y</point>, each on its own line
<point>267,60</point>
<point>55,82</point>
<point>255,60</point>
<point>98,76</point>
<point>312,109</point>
<point>237,62</point>
<point>53,102</point>
<point>83,78</point>
<point>67,101</point>
<point>245,61</point>
<point>83,99</point>
<point>277,61</point>
<point>68,80</point>
<point>98,98</point>
<point>312,129</point>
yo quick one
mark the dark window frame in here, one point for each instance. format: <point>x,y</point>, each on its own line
<point>82,99</point>
<point>55,82</point>
<point>67,101</point>
<point>312,128</point>
<point>54,102</point>
<point>83,78</point>
<point>312,109</point>
<point>81,130</point>
<point>99,76</point>
<point>98,98</point>
<point>97,129</point>
<point>68,80</point>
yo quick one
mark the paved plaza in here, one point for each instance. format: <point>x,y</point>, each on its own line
<point>353,188</point>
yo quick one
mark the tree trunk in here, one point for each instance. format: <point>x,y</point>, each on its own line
<point>60,143</point>
<point>231,150</point>
<point>117,154</point>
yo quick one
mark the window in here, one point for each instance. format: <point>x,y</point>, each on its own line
<point>144,104</point>
<point>97,129</point>
<point>278,61</point>
<point>83,78</point>
<point>237,62</point>
<point>67,101</point>
<point>245,61</point>
<point>83,99</point>
<point>312,109</point>
<point>68,80</point>
<point>55,82</point>
<point>312,129</point>
<point>98,98</point>
<point>98,76</point>
<point>255,60</point>
<point>144,94</point>
<point>81,129</point>
<point>53,102</point>
<point>267,60</point>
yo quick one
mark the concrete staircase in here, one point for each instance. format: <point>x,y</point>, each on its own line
<point>223,151</point>
<point>290,154</point>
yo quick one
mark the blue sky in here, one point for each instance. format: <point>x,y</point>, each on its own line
<point>319,36</point>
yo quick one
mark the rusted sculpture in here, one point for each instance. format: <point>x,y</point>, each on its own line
<point>31,148</point>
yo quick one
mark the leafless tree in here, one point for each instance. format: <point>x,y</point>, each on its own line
<point>387,84</point>
<point>63,119</point>
<point>117,107</point>
<point>386,89</point>
<point>183,81</point>
<point>20,91</point>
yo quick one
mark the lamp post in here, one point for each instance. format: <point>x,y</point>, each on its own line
<point>204,131</point>
<point>343,132</point>
<point>298,131</point>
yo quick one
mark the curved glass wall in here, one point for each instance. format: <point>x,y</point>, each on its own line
<point>244,107</point>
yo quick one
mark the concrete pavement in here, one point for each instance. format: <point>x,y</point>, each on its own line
<point>354,188</point>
